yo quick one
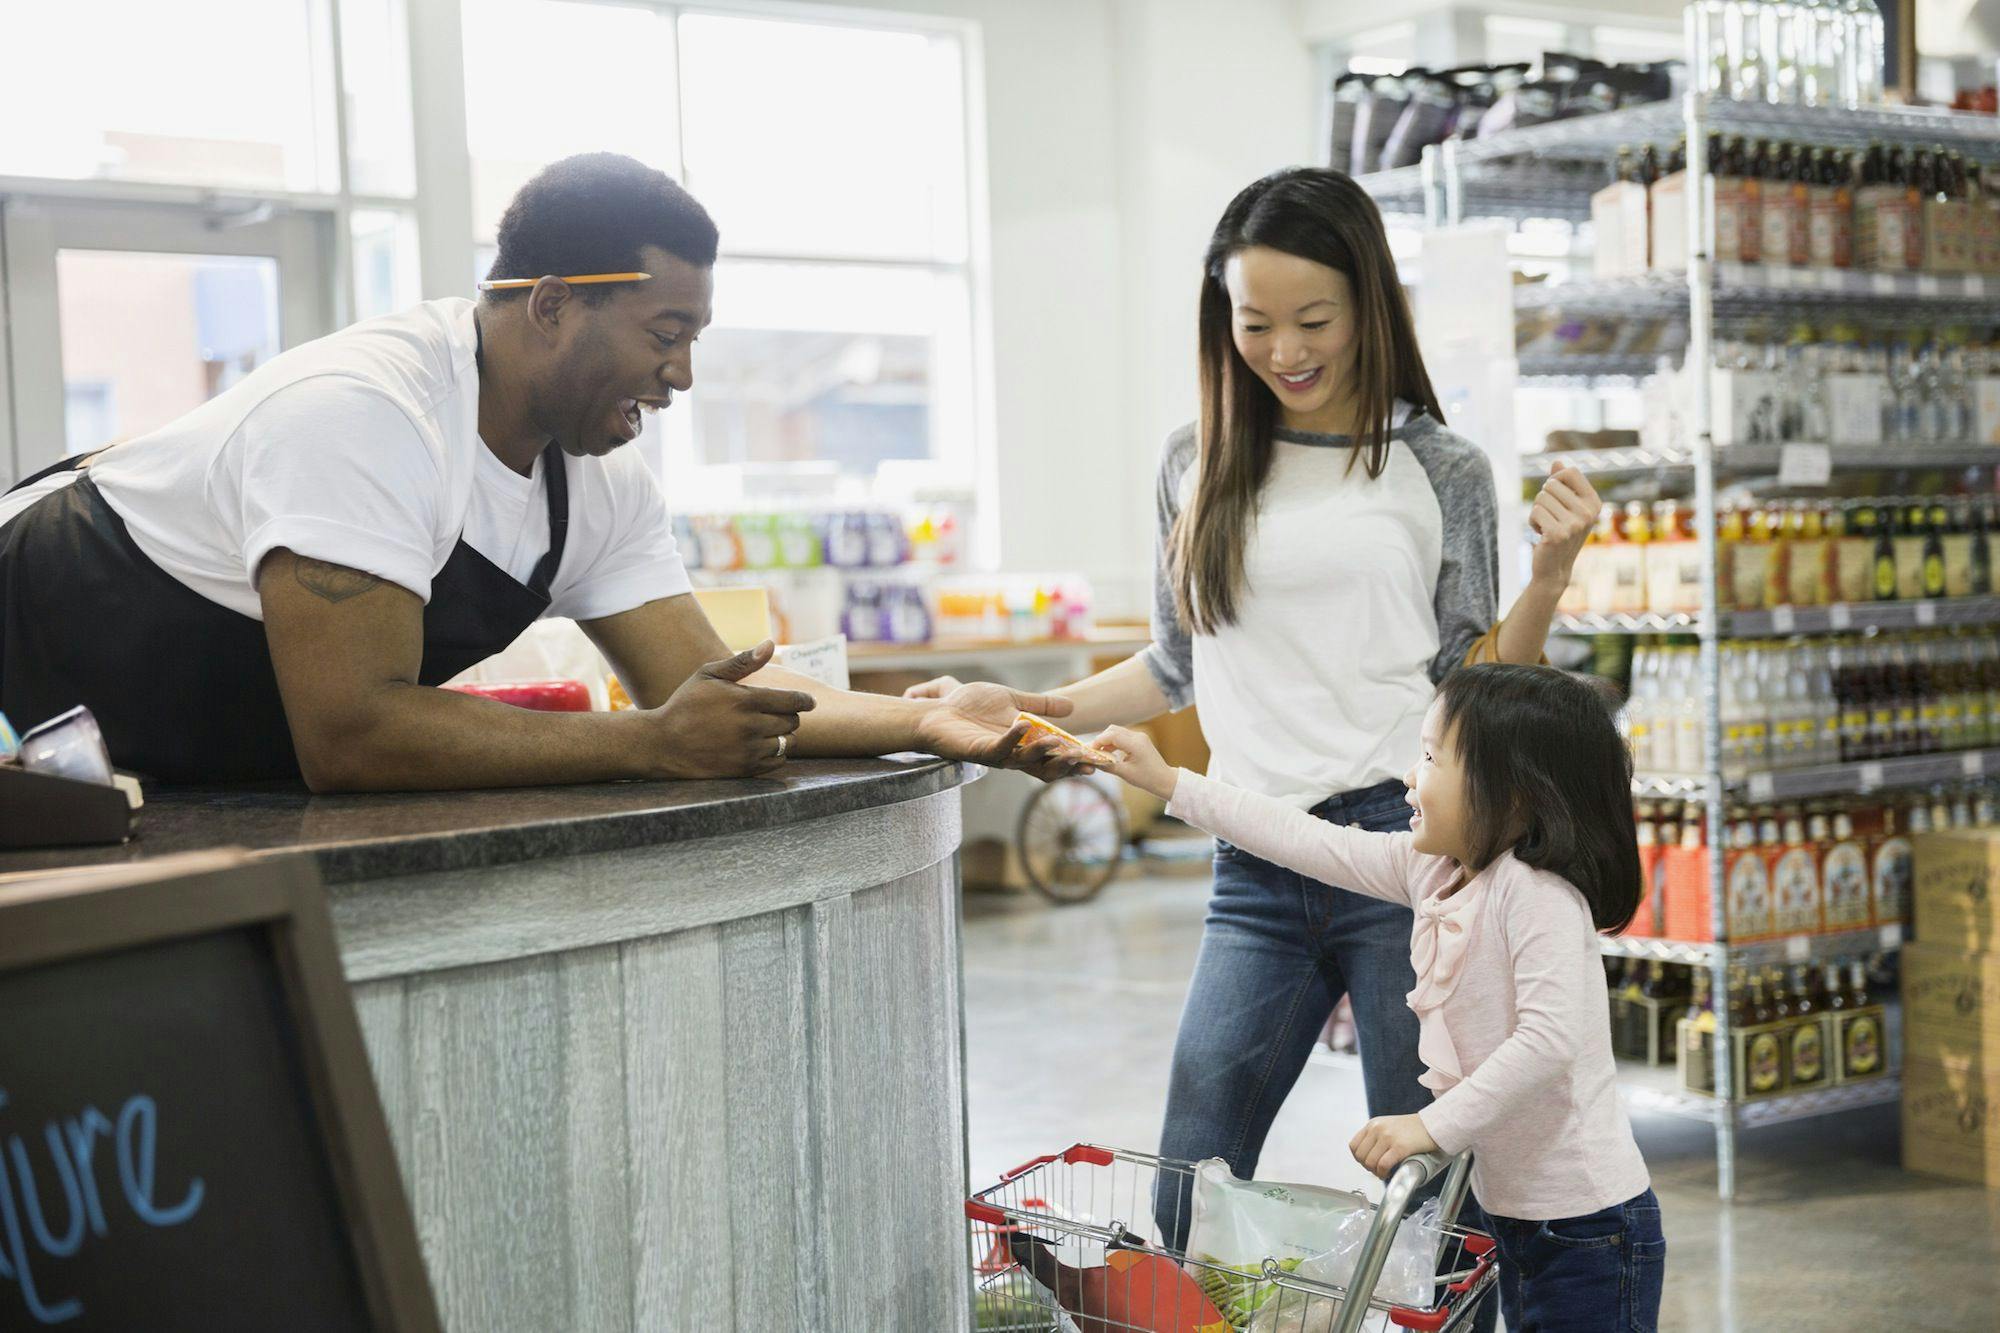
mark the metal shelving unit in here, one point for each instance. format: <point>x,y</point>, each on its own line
<point>1514,175</point>
<point>1786,620</point>
<point>1658,1090</point>
<point>1760,953</point>
<point>1759,459</point>
<point>1807,783</point>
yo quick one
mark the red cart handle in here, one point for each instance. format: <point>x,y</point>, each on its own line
<point>1430,1321</point>
<point>1081,1152</point>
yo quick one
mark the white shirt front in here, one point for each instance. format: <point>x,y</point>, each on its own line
<point>1321,684</point>
<point>362,449</point>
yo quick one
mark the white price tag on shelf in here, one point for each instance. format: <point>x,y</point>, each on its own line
<point>1782,620</point>
<point>1883,284</point>
<point>1798,948</point>
<point>1840,616</point>
<point>1975,284</point>
<point>1972,764</point>
<point>1761,788</point>
<point>1928,285</point>
<point>1891,936</point>
<point>1926,613</point>
<point>1832,280</point>
<point>1804,465</point>
<point>1871,777</point>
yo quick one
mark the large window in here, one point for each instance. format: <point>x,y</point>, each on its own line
<point>833,158</point>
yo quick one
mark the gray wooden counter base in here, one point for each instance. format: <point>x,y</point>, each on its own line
<point>707,1076</point>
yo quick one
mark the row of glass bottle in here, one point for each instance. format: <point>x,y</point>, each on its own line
<point>1792,52</point>
<point>1801,702</point>
<point>1928,385</point>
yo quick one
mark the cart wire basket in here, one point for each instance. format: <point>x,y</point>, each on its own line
<point>1066,1243</point>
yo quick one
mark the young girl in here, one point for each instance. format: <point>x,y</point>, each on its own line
<point>1520,850</point>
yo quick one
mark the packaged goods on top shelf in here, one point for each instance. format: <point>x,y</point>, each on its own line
<point>1816,53</point>
<point>1381,123</point>
<point>1889,208</point>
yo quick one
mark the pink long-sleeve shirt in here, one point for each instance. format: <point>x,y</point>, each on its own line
<point>1510,989</point>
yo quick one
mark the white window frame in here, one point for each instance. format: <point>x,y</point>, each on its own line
<point>973,474</point>
<point>23,404</point>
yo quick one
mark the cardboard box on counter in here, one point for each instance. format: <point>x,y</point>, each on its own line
<point>1957,889</point>
<point>1949,1126</point>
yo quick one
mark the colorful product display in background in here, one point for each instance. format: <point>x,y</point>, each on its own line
<point>1822,867</point>
<point>1645,559</point>
<point>878,576</point>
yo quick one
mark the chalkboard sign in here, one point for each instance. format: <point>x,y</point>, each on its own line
<point>189,1136</point>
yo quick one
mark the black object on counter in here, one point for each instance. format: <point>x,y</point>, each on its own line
<point>194,1137</point>
<point>43,810</point>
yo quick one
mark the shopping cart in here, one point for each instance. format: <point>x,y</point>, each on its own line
<point>1061,1245</point>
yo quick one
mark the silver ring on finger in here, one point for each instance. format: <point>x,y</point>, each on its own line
<point>784,746</point>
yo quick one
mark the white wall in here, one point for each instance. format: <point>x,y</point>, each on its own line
<point>1116,132</point>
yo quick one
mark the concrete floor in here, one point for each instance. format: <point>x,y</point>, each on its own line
<point>1070,1022</point>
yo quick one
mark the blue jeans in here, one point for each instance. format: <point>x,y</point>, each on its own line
<point>1277,953</point>
<point>1594,1274</point>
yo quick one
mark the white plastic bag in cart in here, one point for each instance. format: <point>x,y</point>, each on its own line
<point>1237,1224</point>
<point>1410,1275</point>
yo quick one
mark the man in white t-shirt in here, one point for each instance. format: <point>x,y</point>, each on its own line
<point>267,586</point>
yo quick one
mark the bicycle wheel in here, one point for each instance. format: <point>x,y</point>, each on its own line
<point>1070,838</point>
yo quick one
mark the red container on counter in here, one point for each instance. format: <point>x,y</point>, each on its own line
<point>547,696</point>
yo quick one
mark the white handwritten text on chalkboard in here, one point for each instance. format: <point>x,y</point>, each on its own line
<point>25,1211</point>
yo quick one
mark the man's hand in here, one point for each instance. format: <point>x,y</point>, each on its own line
<point>1563,516</point>
<point>1386,1140</point>
<point>714,726</point>
<point>935,688</point>
<point>977,723</point>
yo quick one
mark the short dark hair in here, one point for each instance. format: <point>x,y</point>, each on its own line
<point>1544,766</point>
<point>590,214</point>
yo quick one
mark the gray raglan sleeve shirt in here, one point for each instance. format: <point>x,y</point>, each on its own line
<point>1466,603</point>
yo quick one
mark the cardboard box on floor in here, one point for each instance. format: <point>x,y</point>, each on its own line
<point>1951,1005</point>
<point>1949,1127</point>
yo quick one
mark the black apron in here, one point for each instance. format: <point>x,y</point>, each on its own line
<point>182,688</point>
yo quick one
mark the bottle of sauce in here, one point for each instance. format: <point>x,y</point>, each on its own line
<point>1805,1056</point>
<point>1763,1045</point>
<point>1883,584</point>
<point>1629,562</point>
<point>1909,547</point>
<point>1807,564</point>
<point>1935,523</point>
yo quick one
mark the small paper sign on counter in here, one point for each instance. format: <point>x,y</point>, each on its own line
<point>1804,465</point>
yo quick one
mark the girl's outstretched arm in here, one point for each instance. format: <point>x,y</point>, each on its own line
<point>1381,865</point>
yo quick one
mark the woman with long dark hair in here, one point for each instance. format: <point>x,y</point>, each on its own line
<point>1326,555</point>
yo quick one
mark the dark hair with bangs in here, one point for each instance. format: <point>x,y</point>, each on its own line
<point>1547,776</point>
<point>590,214</point>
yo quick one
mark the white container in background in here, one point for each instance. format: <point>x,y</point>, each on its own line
<point>1854,408</point>
<point>1745,406</point>
<point>1988,422</point>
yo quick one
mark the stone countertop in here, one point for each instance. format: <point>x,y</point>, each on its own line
<point>377,836</point>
